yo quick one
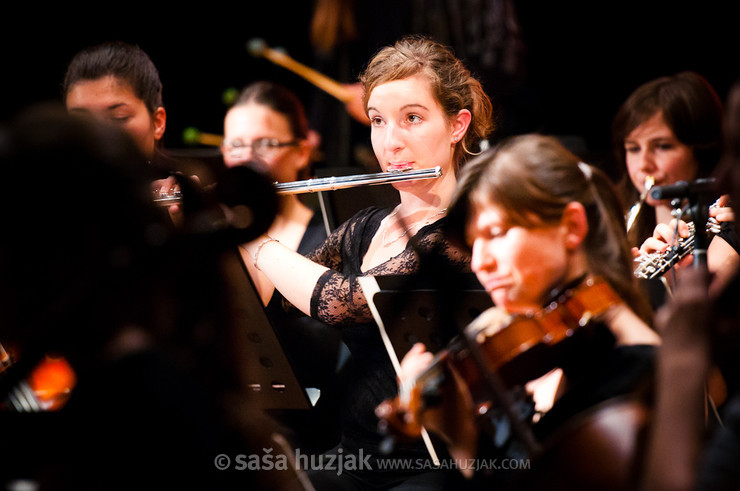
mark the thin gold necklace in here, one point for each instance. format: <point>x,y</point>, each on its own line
<point>427,220</point>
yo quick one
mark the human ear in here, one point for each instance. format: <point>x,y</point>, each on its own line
<point>159,119</point>
<point>574,224</point>
<point>460,124</point>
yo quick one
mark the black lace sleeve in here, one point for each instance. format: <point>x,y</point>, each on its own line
<point>337,297</point>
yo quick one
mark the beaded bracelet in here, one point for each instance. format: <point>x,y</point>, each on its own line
<point>259,248</point>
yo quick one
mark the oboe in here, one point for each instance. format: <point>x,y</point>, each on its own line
<point>656,264</point>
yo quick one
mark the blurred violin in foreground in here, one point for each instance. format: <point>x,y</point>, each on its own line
<point>520,351</point>
<point>47,388</point>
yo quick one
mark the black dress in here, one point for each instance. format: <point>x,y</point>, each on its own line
<point>728,232</point>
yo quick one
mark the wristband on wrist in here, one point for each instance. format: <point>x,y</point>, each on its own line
<point>259,248</point>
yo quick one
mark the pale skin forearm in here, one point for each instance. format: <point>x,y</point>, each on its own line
<point>682,369</point>
<point>721,257</point>
<point>628,329</point>
<point>264,286</point>
<point>676,433</point>
<point>293,275</point>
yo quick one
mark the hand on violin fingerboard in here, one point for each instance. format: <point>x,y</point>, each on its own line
<point>451,415</point>
<point>413,363</point>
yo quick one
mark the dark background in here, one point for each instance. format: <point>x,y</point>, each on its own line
<point>582,58</point>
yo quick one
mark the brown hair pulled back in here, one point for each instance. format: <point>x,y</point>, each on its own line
<point>453,86</point>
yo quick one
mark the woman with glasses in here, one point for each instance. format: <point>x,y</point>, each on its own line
<point>426,110</point>
<point>267,128</point>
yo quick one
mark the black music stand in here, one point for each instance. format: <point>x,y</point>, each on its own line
<point>422,312</point>
<point>268,371</point>
<point>408,311</point>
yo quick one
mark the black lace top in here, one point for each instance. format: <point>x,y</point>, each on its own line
<point>728,232</point>
<point>338,300</point>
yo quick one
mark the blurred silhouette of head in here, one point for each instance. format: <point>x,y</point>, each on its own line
<point>80,230</point>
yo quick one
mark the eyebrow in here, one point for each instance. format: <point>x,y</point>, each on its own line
<point>116,106</point>
<point>107,108</point>
<point>405,106</point>
<point>652,138</point>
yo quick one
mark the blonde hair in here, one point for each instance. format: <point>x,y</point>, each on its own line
<point>453,86</point>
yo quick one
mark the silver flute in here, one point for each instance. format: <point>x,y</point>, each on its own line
<point>330,183</point>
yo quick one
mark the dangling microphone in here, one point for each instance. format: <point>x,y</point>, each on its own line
<point>239,207</point>
<point>684,189</point>
<point>249,197</point>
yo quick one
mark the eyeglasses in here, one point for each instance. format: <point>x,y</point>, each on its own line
<point>261,147</point>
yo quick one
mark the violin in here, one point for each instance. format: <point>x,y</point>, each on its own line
<point>47,388</point>
<point>522,350</point>
<point>599,448</point>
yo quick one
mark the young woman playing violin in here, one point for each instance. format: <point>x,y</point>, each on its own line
<point>538,221</point>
